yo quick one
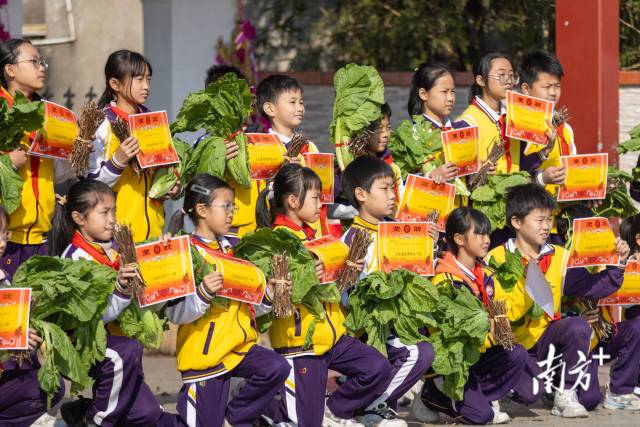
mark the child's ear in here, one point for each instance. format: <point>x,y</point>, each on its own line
<point>114,84</point>
<point>516,222</point>
<point>423,94</point>
<point>269,109</point>
<point>638,239</point>
<point>293,201</point>
<point>200,210</point>
<point>525,88</point>
<point>360,195</point>
<point>78,218</point>
<point>9,70</point>
<point>480,81</point>
<point>458,239</point>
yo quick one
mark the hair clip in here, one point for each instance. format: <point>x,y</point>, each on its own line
<point>201,190</point>
<point>61,200</point>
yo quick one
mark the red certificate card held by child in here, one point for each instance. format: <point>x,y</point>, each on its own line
<point>154,139</point>
<point>527,118</point>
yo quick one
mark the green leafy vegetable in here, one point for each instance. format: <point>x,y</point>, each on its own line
<point>166,178</point>
<point>413,145</point>
<point>221,109</point>
<point>143,324</point>
<point>399,303</point>
<point>462,328</point>
<point>10,185</point>
<point>509,271</point>
<point>359,96</point>
<point>617,202</point>
<point>260,246</point>
<point>632,144</point>
<point>490,198</point>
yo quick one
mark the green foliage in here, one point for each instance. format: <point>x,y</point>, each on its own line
<point>508,272</point>
<point>617,202</point>
<point>413,145</point>
<point>490,198</point>
<point>166,178</point>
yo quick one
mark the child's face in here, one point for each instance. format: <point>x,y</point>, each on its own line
<point>138,92</point>
<point>439,100</point>
<point>534,227</point>
<point>218,216</point>
<point>501,78</point>
<point>97,224</point>
<point>309,212</point>
<point>24,72</point>
<point>547,86</point>
<point>380,140</point>
<point>379,201</point>
<point>288,110</point>
<point>475,244</point>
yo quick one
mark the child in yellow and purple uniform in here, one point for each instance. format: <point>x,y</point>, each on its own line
<point>294,204</point>
<point>217,342</point>
<point>498,370</point>
<point>367,183</point>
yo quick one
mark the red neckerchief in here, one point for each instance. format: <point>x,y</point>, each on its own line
<point>565,148</point>
<point>96,254</point>
<point>502,128</point>
<point>283,220</point>
<point>478,273</point>
<point>121,113</point>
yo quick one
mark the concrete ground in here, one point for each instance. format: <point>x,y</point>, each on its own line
<point>164,380</point>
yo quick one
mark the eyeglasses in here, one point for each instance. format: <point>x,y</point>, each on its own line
<point>37,62</point>
<point>506,78</point>
<point>228,207</point>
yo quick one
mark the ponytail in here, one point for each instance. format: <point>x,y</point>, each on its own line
<point>482,67</point>
<point>264,215</point>
<point>425,77</point>
<point>83,196</point>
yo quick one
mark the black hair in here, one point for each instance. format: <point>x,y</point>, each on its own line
<point>524,198</point>
<point>122,65</point>
<point>481,67</point>
<point>216,71</point>
<point>362,173</point>
<point>460,221</point>
<point>9,51</point>
<point>564,221</point>
<point>200,190</point>
<point>385,110</point>
<point>82,196</point>
<point>425,77</point>
<point>273,86</point>
<point>629,229</point>
<point>539,61</point>
<point>290,179</point>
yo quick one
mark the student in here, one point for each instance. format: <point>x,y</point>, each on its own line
<point>529,214</point>
<point>216,342</point>
<point>540,76</point>
<point>368,184</point>
<point>280,101</point>
<point>433,95</point>
<point>294,204</point>
<point>127,86</point>
<point>24,70</point>
<point>22,402</point>
<point>83,229</point>
<point>498,370</point>
<point>623,345</point>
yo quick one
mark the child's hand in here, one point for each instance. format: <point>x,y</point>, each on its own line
<point>18,158</point>
<point>492,169</point>
<point>232,149</point>
<point>622,247</point>
<point>444,173</point>
<point>212,282</point>
<point>319,269</point>
<point>126,273</point>
<point>127,150</point>
<point>164,239</point>
<point>552,134</point>
<point>296,160</point>
<point>174,193</point>
<point>591,316</point>
<point>433,232</point>
<point>34,340</point>
<point>553,175</point>
<point>360,265</point>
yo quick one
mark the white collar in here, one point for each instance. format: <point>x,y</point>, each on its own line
<point>493,114</point>
<point>465,270</point>
<point>285,139</point>
<point>437,123</point>
<point>223,242</point>
<point>545,249</point>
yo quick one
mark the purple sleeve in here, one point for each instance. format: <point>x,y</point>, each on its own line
<point>580,283</point>
<point>529,162</point>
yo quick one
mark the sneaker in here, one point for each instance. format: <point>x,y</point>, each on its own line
<point>381,416</point>
<point>499,417</point>
<point>566,405</point>
<point>636,391</point>
<point>74,412</point>
<point>420,412</point>
<point>621,401</point>
<point>331,420</point>
<point>45,420</point>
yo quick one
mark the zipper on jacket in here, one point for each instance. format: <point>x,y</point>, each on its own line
<point>333,330</point>
<point>146,205</point>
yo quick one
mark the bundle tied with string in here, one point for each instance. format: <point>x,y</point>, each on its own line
<point>357,251</point>
<point>482,176</point>
<point>503,334</point>
<point>90,119</point>
<point>121,130</point>
<point>282,307</point>
<point>560,116</point>
<point>295,146</point>
<point>124,239</point>
<point>601,327</point>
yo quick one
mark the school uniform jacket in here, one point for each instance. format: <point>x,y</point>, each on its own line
<point>288,335</point>
<point>527,326</point>
<point>212,340</point>
<point>133,204</point>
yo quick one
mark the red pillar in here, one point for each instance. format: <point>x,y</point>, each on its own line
<point>587,44</point>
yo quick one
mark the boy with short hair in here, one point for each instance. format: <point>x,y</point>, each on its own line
<point>368,184</point>
<point>529,214</point>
